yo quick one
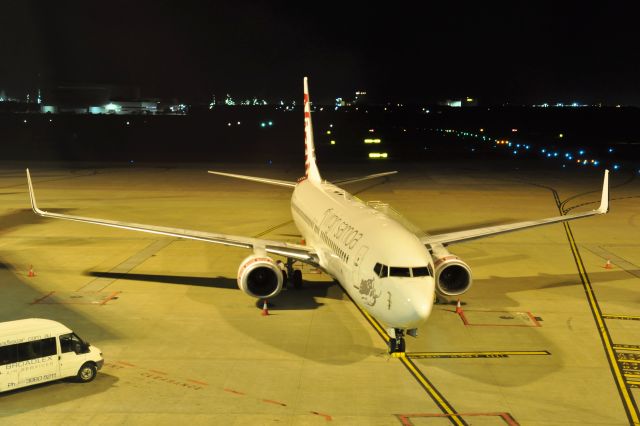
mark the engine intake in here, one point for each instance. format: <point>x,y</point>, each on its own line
<point>453,276</point>
<point>260,277</point>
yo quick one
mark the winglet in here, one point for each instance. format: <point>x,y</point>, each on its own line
<point>604,201</point>
<point>32,196</point>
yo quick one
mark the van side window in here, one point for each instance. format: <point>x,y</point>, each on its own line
<point>8,354</point>
<point>48,346</point>
<point>70,343</point>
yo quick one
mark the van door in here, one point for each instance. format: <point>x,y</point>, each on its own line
<point>70,348</point>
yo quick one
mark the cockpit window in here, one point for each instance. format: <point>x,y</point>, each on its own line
<point>384,272</point>
<point>377,269</point>
<point>422,271</point>
<point>395,271</point>
<point>381,270</point>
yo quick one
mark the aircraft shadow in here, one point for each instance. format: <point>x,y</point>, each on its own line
<point>23,217</point>
<point>215,282</point>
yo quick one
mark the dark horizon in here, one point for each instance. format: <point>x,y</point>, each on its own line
<point>518,54</point>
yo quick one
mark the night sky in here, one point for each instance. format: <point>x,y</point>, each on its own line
<point>520,53</point>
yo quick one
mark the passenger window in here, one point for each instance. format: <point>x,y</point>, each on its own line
<point>385,271</point>
<point>422,271</point>
<point>8,354</point>
<point>377,269</point>
<point>29,350</point>
<point>48,346</point>
<point>399,272</point>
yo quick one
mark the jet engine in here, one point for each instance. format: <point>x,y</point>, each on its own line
<point>259,276</point>
<point>453,276</point>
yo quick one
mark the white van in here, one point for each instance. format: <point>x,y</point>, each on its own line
<point>40,350</point>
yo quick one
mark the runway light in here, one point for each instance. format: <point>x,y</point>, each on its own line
<point>610,150</point>
<point>543,150</point>
<point>616,166</point>
<point>561,135</point>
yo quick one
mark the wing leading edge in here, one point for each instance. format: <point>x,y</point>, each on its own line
<point>295,251</point>
<point>472,234</point>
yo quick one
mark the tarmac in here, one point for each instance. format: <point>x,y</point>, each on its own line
<point>547,335</point>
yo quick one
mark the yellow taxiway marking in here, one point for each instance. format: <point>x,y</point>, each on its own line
<point>485,354</point>
<point>630,361</point>
<point>621,317</point>
<point>628,401</point>
<point>632,376</point>
<point>627,348</point>
<point>440,401</point>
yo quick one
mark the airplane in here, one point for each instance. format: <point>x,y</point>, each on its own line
<point>390,271</point>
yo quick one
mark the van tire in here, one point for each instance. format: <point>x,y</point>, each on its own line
<point>87,372</point>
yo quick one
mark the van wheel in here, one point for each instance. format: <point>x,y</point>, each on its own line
<point>87,372</point>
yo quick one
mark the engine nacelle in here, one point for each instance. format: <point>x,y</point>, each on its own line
<point>260,277</point>
<point>453,276</point>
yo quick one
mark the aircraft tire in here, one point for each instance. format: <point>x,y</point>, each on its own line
<point>297,279</point>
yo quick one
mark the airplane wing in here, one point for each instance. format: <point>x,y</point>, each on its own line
<point>360,179</point>
<point>472,234</point>
<point>256,179</point>
<point>295,251</point>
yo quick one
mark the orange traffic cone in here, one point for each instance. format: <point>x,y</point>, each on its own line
<point>265,309</point>
<point>31,273</point>
<point>458,308</point>
<point>608,265</point>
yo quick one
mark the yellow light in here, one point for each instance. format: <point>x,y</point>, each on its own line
<point>377,155</point>
<point>370,141</point>
<point>481,130</point>
<point>333,142</point>
<point>469,99</point>
<point>371,130</point>
<point>561,135</point>
<point>328,132</point>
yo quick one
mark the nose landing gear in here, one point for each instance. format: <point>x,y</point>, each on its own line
<point>396,344</point>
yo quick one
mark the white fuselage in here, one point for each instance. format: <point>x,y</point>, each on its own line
<point>350,238</point>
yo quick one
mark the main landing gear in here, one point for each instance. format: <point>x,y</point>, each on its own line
<point>396,344</point>
<point>295,275</point>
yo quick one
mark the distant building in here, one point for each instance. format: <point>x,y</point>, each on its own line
<point>460,102</point>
